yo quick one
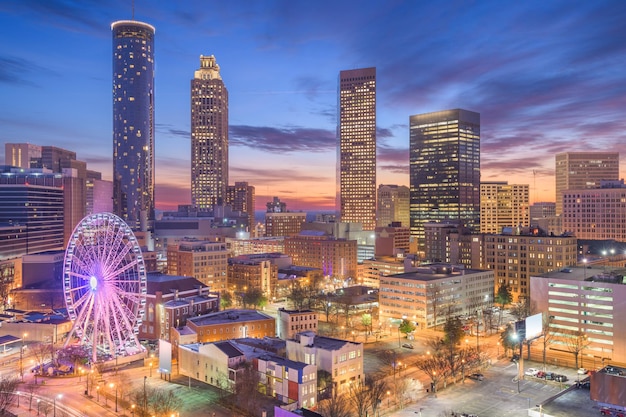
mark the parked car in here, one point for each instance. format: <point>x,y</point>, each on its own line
<point>560,378</point>
<point>407,345</point>
<point>531,371</point>
<point>515,357</point>
<point>541,374</point>
<point>582,371</point>
<point>605,411</point>
<point>550,376</point>
<point>477,376</point>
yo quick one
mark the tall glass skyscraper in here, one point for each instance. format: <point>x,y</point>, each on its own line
<point>209,135</point>
<point>133,122</point>
<point>356,159</point>
<point>444,169</point>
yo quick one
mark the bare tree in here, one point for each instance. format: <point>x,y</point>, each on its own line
<point>359,397</point>
<point>42,353</point>
<point>575,341</point>
<point>30,390</point>
<point>164,402</point>
<point>247,386</point>
<point>376,389</point>
<point>336,406</point>
<point>8,387</point>
<point>548,337</point>
<point>435,367</point>
<point>401,388</point>
<point>45,407</point>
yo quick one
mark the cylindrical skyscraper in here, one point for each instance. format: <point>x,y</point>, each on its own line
<point>133,122</point>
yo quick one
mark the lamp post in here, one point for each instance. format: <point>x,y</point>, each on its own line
<point>18,399</point>
<point>399,336</point>
<point>463,371</point>
<point>150,369</point>
<point>498,349</point>
<point>388,396</point>
<point>112,385</point>
<point>585,268</point>
<point>145,396</point>
<point>38,401</point>
<point>59,396</point>
<point>22,357</point>
<point>132,407</point>
<point>98,392</point>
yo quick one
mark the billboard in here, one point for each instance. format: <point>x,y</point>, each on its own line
<point>534,326</point>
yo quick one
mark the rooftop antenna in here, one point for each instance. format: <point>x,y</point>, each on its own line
<point>535,186</point>
<point>133,3</point>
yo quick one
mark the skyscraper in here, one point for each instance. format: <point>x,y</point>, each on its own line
<point>133,122</point>
<point>583,170</point>
<point>393,205</point>
<point>209,135</point>
<point>444,169</point>
<point>503,205</point>
<point>356,161</point>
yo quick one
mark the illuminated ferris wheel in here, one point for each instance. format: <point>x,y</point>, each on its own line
<point>104,281</point>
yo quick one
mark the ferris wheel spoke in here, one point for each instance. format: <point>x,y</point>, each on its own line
<point>119,257</point>
<point>125,268</point>
<point>77,275</point>
<point>116,246</point>
<point>125,313</point>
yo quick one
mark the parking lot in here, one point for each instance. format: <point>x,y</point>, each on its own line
<point>500,394</point>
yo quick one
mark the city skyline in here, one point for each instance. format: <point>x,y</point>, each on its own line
<point>545,77</point>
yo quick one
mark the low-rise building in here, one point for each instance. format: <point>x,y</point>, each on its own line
<point>588,302</point>
<point>342,359</point>
<point>288,381</point>
<point>432,293</point>
<point>292,322</point>
<point>232,324</point>
<point>371,270</point>
<point>253,271</point>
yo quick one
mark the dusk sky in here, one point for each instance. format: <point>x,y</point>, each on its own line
<point>545,76</point>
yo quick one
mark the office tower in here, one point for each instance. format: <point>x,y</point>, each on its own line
<point>541,210</point>
<point>22,155</point>
<point>503,205</point>
<point>444,169</point>
<point>133,122</point>
<point>209,135</point>
<point>284,224</point>
<point>241,197</point>
<point>583,170</point>
<point>393,205</point>
<point>335,257</point>
<point>32,203</point>
<point>356,162</point>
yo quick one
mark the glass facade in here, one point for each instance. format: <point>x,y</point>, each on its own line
<point>356,162</point>
<point>209,135</point>
<point>444,169</point>
<point>133,122</point>
<point>31,214</point>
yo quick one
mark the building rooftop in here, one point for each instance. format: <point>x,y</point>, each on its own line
<point>229,349</point>
<point>588,274</point>
<point>436,271</point>
<point>229,316</point>
<point>284,310</point>
<point>327,343</point>
<point>158,282</point>
<point>283,361</point>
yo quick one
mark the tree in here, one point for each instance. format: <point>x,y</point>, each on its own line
<point>324,384</point>
<point>548,336</point>
<point>507,339</point>
<point>226,300</point>
<point>359,397</point>
<point>503,296</point>
<point>435,367</point>
<point>297,295</point>
<point>164,402</point>
<point>366,321</point>
<point>335,406</point>
<point>453,329</point>
<point>42,353</point>
<point>247,386</point>
<point>31,389</point>
<point>376,388</point>
<point>8,387</point>
<point>406,327</point>
<point>576,341</point>
<point>254,297</point>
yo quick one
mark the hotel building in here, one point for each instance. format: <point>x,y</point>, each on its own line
<point>503,205</point>
<point>133,122</point>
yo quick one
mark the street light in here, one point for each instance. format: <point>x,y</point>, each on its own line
<point>22,356</point>
<point>18,399</point>
<point>98,392</point>
<point>150,369</point>
<point>112,385</point>
<point>38,400</point>
<point>388,396</point>
<point>59,396</point>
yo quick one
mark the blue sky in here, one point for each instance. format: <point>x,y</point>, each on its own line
<point>546,77</point>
